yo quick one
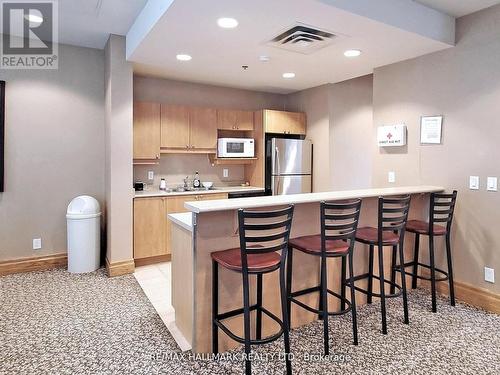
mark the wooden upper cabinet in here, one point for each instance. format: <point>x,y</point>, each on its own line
<point>150,226</point>
<point>203,128</point>
<point>284,122</point>
<point>234,120</point>
<point>146,130</point>
<point>174,126</point>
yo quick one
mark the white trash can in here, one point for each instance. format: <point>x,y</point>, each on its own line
<point>84,234</point>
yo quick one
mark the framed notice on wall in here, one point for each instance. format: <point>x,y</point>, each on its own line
<point>2,133</point>
<point>431,130</point>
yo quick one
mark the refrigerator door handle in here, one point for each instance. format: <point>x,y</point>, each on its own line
<point>277,153</point>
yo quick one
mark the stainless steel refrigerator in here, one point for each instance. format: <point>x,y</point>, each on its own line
<point>288,166</point>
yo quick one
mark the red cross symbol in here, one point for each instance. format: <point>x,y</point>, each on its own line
<point>389,136</point>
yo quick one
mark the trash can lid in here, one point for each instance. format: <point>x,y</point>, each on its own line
<point>83,207</point>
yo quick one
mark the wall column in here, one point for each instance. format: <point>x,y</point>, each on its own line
<point>118,160</point>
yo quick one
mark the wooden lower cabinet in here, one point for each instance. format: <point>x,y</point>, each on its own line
<point>151,226</point>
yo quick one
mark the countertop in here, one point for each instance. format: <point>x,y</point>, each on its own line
<point>184,219</point>
<point>277,200</point>
<point>215,190</point>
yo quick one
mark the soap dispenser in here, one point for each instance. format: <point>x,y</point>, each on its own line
<point>163,184</point>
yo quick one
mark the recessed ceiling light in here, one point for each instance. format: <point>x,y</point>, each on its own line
<point>34,18</point>
<point>352,53</point>
<point>227,23</point>
<point>183,57</point>
<point>288,75</point>
<point>264,58</point>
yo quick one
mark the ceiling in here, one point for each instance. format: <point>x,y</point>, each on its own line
<point>88,23</point>
<point>458,8</point>
<point>189,26</point>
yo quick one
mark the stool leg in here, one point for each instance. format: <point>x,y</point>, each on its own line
<point>286,322</point>
<point>343,277</point>
<point>450,270</point>
<point>415,262</point>
<point>403,280</point>
<point>258,315</point>
<point>353,301</point>
<point>393,269</point>
<point>324,298</point>
<point>382,288</point>
<point>215,306</point>
<point>433,273</point>
<point>370,276</point>
<point>289,270</point>
<point>246,321</point>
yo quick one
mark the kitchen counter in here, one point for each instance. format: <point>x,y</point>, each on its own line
<point>278,200</point>
<point>215,190</point>
<point>213,226</point>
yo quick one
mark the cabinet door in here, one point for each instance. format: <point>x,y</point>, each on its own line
<point>146,130</point>
<point>203,128</point>
<point>284,122</point>
<point>174,126</point>
<point>227,119</point>
<point>149,227</point>
<point>245,120</point>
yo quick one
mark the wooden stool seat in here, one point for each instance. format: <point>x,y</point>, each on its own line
<point>231,259</point>
<point>312,245</point>
<point>369,235</point>
<point>422,227</point>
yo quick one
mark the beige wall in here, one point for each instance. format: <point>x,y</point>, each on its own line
<point>351,120</point>
<point>463,84</point>
<point>314,102</point>
<point>118,124</point>
<point>175,167</point>
<point>54,149</point>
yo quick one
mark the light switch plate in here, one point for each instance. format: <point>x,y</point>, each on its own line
<point>225,172</point>
<point>492,184</point>
<point>489,275</point>
<point>151,175</point>
<point>391,177</point>
<point>474,182</point>
<point>37,243</point>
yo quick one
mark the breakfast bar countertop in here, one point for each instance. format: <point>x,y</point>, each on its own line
<point>277,200</point>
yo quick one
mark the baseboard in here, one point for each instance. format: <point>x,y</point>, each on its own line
<point>467,293</point>
<point>120,268</point>
<point>39,263</point>
<point>152,260</point>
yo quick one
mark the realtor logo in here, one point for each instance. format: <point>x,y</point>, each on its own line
<point>29,34</point>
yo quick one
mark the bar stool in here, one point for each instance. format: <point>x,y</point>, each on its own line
<point>392,218</point>
<point>441,210</point>
<point>262,235</point>
<point>339,222</point>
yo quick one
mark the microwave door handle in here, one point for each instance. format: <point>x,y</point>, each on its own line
<point>277,153</point>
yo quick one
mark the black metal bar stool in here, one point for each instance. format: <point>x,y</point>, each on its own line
<point>441,210</point>
<point>339,222</point>
<point>392,218</point>
<point>262,235</point>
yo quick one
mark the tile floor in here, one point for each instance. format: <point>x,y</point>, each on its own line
<point>155,281</point>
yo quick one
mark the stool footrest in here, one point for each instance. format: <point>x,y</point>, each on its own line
<point>317,311</point>
<point>387,295</point>
<point>440,271</point>
<point>241,340</point>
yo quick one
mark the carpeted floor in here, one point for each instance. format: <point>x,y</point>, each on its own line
<point>56,323</point>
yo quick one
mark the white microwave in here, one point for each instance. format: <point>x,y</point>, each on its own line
<point>235,148</point>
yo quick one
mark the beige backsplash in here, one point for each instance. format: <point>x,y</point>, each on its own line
<point>175,167</point>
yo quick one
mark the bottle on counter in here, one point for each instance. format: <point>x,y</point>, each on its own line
<point>196,180</point>
<point>163,184</point>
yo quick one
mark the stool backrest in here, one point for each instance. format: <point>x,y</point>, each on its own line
<point>393,215</point>
<point>264,231</point>
<point>339,221</point>
<point>442,207</point>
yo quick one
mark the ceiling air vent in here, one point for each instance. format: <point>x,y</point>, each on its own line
<point>302,39</point>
